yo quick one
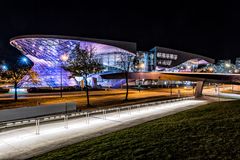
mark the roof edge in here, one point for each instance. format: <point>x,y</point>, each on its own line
<point>128,46</point>
<point>210,60</point>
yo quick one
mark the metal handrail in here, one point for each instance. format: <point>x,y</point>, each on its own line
<point>47,118</point>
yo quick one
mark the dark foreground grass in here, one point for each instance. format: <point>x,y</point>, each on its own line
<point>208,132</point>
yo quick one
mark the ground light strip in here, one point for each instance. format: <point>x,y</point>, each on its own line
<point>65,116</point>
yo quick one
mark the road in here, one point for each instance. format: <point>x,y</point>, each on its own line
<point>8,96</point>
<point>97,98</point>
<point>213,91</point>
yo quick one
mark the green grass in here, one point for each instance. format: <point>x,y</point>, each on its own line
<point>208,132</point>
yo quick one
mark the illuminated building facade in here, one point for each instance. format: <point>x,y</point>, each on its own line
<point>45,51</point>
<point>165,59</point>
<point>237,63</point>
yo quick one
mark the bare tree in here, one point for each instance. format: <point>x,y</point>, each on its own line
<point>127,63</point>
<point>81,62</point>
<point>15,74</point>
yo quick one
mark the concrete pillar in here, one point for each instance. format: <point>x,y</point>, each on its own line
<point>199,88</point>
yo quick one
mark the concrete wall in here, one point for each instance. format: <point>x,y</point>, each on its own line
<point>36,111</point>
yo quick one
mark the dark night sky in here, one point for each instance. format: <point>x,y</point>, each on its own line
<point>210,28</point>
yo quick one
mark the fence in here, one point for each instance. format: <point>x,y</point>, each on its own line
<point>75,114</point>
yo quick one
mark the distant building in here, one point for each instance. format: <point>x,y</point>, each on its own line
<point>166,59</point>
<point>223,62</point>
<point>225,66</point>
<point>237,63</point>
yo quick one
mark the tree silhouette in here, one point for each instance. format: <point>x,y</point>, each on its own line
<point>81,62</point>
<point>127,63</point>
<point>15,74</point>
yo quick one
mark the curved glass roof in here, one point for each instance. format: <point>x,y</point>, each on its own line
<point>50,49</point>
<point>45,53</point>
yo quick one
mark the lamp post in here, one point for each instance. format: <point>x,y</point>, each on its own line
<point>4,67</point>
<point>227,65</point>
<point>64,58</point>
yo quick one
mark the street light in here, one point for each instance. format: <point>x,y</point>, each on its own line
<point>227,65</point>
<point>210,69</point>
<point>24,60</point>
<point>4,67</point>
<point>236,70</point>
<point>141,66</point>
<point>64,58</point>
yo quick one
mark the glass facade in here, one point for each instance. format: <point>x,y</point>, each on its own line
<point>238,63</point>
<point>45,53</point>
<point>112,62</point>
<point>158,59</point>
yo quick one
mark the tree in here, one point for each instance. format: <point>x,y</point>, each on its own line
<point>127,63</point>
<point>15,74</point>
<point>81,62</point>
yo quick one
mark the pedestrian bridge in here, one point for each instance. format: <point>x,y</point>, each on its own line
<point>200,78</point>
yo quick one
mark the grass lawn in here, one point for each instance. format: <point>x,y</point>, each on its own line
<point>208,132</point>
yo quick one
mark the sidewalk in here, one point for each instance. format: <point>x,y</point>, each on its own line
<point>23,143</point>
<point>213,92</point>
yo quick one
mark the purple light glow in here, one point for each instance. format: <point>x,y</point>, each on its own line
<point>45,53</point>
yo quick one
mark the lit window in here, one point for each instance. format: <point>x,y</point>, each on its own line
<point>175,57</point>
<point>167,56</point>
<point>163,55</point>
<point>169,62</point>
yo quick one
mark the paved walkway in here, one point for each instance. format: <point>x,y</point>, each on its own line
<point>214,92</point>
<point>23,143</point>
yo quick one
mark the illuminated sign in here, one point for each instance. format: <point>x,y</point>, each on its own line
<point>165,59</point>
<point>167,56</point>
<point>164,62</point>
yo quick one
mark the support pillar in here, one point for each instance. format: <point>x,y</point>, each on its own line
<point>199,88</point>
